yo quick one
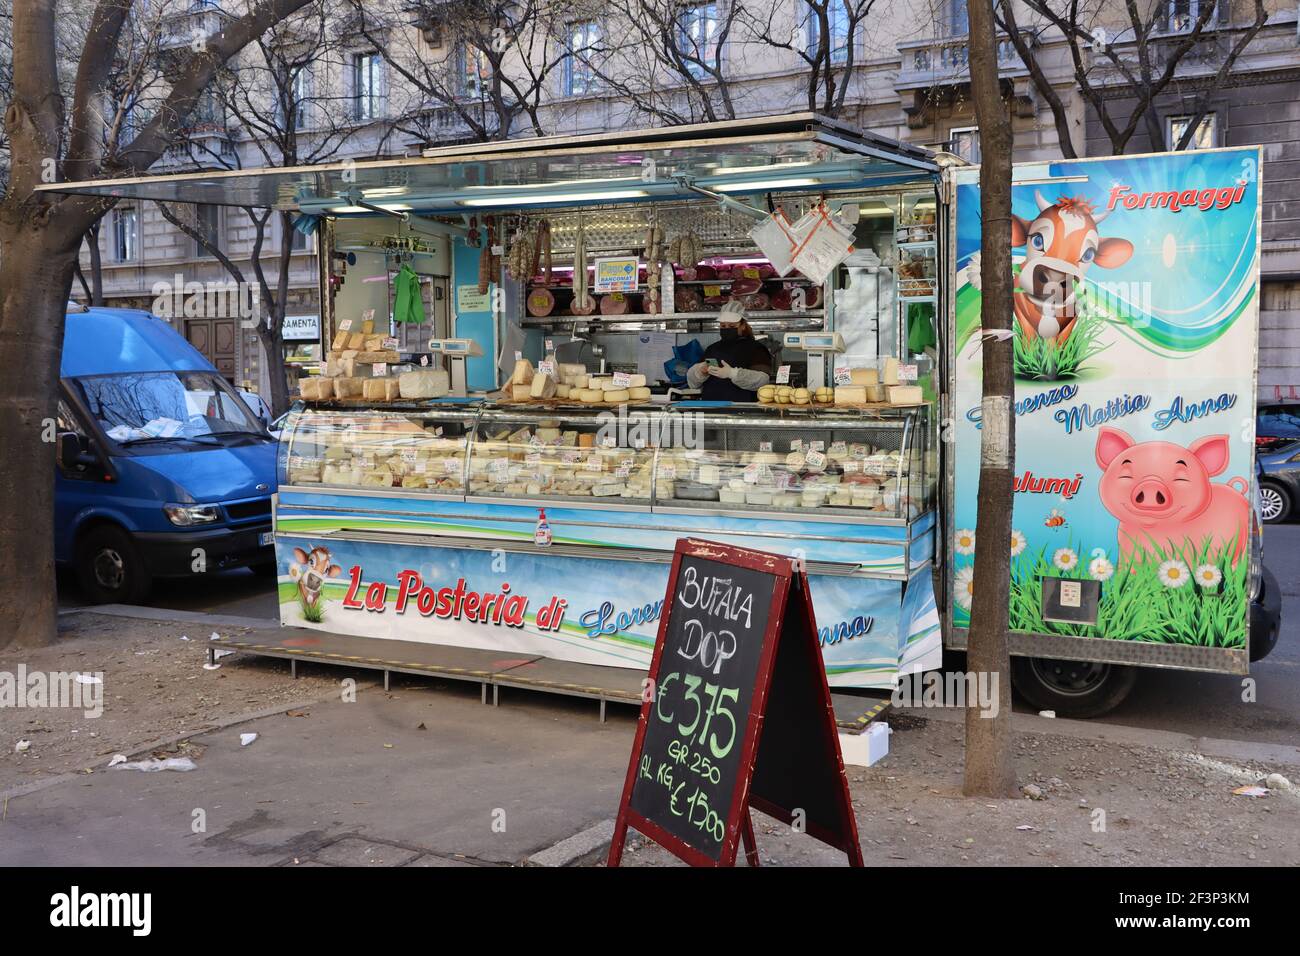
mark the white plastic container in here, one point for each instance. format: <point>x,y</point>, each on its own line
<point>865,749</point>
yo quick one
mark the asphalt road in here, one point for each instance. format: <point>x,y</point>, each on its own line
<point>1207,705</point>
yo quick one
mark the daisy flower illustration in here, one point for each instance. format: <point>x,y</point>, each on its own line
<point>1065,559</point>
<point>964,542</point>
<point>964,588</point>
<point>1174,574</point>
<point>1208,576</point>
<point>1018,543</point>
<point>1101,569</point>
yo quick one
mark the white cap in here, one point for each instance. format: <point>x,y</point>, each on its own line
<point>732,313</point>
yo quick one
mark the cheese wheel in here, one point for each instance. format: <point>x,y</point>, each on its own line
<point>561,391</point>
<point>639,394</point>
<point>767,394</point>
<point>614,396</point>
<point>801,396</point>
<point>591,396</point>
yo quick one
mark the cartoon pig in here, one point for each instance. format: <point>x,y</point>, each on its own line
<point>311,571</point>
<point>1163,497</point>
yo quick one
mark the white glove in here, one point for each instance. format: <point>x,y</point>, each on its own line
<point>973,272</point>
<point>697,374</point>
<point>722,371</point>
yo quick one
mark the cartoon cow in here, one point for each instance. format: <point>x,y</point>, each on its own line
<point>310,572</point>
<point>1061,243</point>
<point>1163,497</point>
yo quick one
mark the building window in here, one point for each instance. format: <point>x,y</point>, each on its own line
<point>367,86</point>
<point>837,25</point>
<point>299,91</point>
<point>208,223</point>
<point>1205,137</point>
<point>964,141</point>
<point>957,14</point>
<point>578,78</point>
<point>476,73</point>
<point>126,234</point>
<point>1183,15</point>
<point>698,36</point>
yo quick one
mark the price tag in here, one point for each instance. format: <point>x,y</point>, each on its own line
<point>424,360</point>
<point>783,375</point>
<point>859,451</point>
<point>668,470</point>
<point>593,463</point>
<point>843,375</point>
<point>796,444</point>
<point>815,459</point>
<point>621,379</point>
<point>839,448</point>
<point>533,458</point>
<point>367,315</point>
<point>409,456</point>
<point>627,462</point>
<point>874,466</point>
<point>851,467</point>
<point>500,469</point>
<point>550,345</point>
<point>1071,592</point>
<point>751,473</point>
<point>570,456</point>
<point>451,466</point>
<point>390,344</point>
<point>608,441</point>
<point>749,272</point>
<point>712,290</point>
<point>817,445</point>
<point>498,249</point>
<point>420,467</point>
<point>783,480</point>
<point>535,443</point>
<point>765,446</point>
<point>546,368</point>
<point>622,471</point>
<point>518,355</point>
<point>907,373</point>
<point>380,369</point>
<point>345,325</point>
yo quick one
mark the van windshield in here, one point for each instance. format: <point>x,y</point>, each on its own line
<point>136,407</point>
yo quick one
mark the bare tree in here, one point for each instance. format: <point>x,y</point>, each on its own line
<point>666,60</point>
<point>486,64</point>
<point>826,36</point>
<point>1150,52</point>
<point>40,234</point>
<point>989,766</point>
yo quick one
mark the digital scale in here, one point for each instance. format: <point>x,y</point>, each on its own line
<point>456,350</point>
<point>817,345</point>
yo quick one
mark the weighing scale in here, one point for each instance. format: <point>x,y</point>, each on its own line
<point>817,345</point>
<point>456,350</point>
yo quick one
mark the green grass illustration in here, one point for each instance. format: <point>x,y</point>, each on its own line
<point>1135,604</point>
<point>1041,360</point>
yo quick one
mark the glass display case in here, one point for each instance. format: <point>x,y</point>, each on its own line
<point>576,455</point>
<point>877,464</point>
<point>421,450</point>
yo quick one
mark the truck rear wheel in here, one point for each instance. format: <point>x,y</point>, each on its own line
<point>110,568</point>
<point>1071,688</point>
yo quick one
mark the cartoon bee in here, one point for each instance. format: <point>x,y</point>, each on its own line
<point>1055,519</point>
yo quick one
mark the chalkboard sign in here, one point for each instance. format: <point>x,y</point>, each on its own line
<point>739,713</point>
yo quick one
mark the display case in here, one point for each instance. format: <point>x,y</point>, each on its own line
<point>417,449</point>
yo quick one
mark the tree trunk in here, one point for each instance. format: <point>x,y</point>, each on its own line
<point>35,279</point>
<point>989,767</point>
<point>96,267</point>
<point>272,342</point>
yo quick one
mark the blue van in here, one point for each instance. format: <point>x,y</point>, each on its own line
<point>162,469</point>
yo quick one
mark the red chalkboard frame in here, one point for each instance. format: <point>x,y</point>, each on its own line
<point>738,823</point>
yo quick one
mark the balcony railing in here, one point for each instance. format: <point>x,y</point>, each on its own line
<point>944,61</point>
<point>203,149</point>
<point>182,29</point>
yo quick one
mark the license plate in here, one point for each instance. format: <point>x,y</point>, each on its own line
<point>266,538</point>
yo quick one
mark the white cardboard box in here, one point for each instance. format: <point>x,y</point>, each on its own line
<point>865,749</point>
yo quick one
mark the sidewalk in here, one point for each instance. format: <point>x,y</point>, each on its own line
<point>427,776</point>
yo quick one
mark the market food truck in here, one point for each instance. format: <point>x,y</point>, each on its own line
<point>508,434</point>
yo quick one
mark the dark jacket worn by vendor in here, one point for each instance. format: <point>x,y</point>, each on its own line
<point>743,367</point>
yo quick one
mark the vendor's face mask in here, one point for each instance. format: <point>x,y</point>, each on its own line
<point>729,332</point>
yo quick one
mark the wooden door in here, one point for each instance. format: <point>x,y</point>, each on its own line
<point>215,338</point>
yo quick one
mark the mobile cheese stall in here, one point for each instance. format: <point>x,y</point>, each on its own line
<point>503,448</point>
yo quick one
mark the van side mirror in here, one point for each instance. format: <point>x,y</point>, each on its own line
<point>72,453</point>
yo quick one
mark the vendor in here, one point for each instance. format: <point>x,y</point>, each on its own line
<point>736,366</point>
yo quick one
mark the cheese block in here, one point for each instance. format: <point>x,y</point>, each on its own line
<point>543,386</point>
<point>586,441</point>
<point>641,394</point>
<point>905,394</point>
<point>863,376</point>
<point>876,393</point>
<point>356,341</point>
<point>523,373</point>
<point>333,366</point>
<point>614,396</point>
<point>392,389</point>
<point>521,392</point>
<point>850,394</point>
<point>561,391</point>
<point>347,387</point>
<point>373,389</point>
<point>889,375</point>
<point>424,383</point>
<point>610,385</point>
<point>309,388</point>
<point>376,357</point>
<point>636,381</point>
<point>367,326</point>
<point>373,343</point>
<point>570,369</point>
<point>580,381</point>
<point>340,340</point>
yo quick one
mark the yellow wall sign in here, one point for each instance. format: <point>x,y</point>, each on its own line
<point>616,274</point>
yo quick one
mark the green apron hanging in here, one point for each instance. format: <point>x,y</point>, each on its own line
<point>408,304</point>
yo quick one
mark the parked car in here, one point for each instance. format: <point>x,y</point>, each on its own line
<point>162,469</point>
<point>1277,424</point>
<point>1279,483</point>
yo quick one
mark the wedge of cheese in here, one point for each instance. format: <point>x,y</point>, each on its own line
<point>523,373</point>
<point>864,376</point>
<point>889,372</point>
<point>424,383</point>
<point>542,386</point>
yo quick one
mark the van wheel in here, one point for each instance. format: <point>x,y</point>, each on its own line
<point>1274,503</point>
<point>1071,688</point>
<point>110,568</point>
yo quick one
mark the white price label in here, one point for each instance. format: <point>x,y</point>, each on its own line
<point>622,471</point>
<point>424,360</point>
<point>390,344</point>
<point>796,444</point>
<point>843,375</point>
<point>593,463</point>
<point>608,441</point>
<point>783,375</point>
<point>851,467</point>
<point>381,369</point>
<point>410,456</point>
<point>875,466</point>
<point>451,466</point>
<point>839,448</point>
<point>815,459</point>
<point>817,445</point>
<point>345,325</point>
<point>765,446</point>
<point>668,470</point>
<point>500,469</point>
<point>571,457</point>
<point>550,345</point>
<point>751,473</point>
<point>1071,594</point>
<point>518,355</point>
<point>546,368</point>
<point>621,379</point>
<point>367,315</point>
<point>907,373</point>
<point>533,458</point>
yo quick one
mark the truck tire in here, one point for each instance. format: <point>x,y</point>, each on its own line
<point>1071,688</point>
<point>110,568</point>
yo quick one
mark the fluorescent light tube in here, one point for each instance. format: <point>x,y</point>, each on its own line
<point>762,185</point>
<point>517,200</point>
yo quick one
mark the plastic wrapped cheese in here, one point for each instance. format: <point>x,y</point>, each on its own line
<point>542,386</point>
<point>424,383</point>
